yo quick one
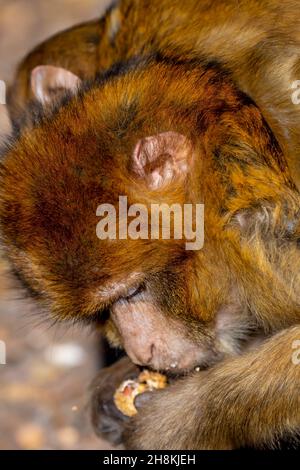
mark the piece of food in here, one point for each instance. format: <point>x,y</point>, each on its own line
<point>129,389</point>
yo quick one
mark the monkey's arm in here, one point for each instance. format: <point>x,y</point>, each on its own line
<point>246,401</point>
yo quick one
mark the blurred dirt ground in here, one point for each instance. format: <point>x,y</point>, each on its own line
<point>43,386</point>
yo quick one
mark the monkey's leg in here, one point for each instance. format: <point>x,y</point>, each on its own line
<point>252,400</point>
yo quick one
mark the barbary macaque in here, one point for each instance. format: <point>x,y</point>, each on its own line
<point>177,103</point>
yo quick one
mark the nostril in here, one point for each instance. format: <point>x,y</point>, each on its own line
<point>143,357</point>
<point>152,351</point>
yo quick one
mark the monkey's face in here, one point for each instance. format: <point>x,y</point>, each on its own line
<point>169,307</point>
<point>159,326</point>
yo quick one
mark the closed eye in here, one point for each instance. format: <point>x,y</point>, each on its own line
<point>134,292</point>
<point>102,316</point>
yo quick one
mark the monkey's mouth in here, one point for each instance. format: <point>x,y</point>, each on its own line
<point>174,374</point>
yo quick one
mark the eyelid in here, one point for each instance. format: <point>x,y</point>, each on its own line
<point>113,291</point>
<point>134,292</point>
<point>103,315</point>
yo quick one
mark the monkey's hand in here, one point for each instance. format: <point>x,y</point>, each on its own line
<point>249,401</point>
<point>107,420</point>
<point>176,418</point>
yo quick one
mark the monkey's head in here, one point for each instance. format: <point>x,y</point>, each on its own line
<point>151,132</point>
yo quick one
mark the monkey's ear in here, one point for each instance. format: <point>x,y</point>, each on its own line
<point>48,82</point>
<point>161,158</point>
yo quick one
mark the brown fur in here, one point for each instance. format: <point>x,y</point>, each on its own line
<point>77,155</point>
<point>258,41</point>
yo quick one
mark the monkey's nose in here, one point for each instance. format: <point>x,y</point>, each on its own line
<point>144,356</point>
<point>152,353</point>
<point>148,356</point>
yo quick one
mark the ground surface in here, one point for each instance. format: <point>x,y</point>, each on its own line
<point>43,386</point>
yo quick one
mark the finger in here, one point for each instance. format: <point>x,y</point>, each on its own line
<point>142,399</point>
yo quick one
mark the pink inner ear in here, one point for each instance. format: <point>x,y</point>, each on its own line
<point>162,157</point>
<point>49,77</point>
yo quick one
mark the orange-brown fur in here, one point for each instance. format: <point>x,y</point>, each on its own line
<point>257,41</point>
<point>77,155</point>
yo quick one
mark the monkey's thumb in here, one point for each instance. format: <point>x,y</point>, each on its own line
<point>142,399</point>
